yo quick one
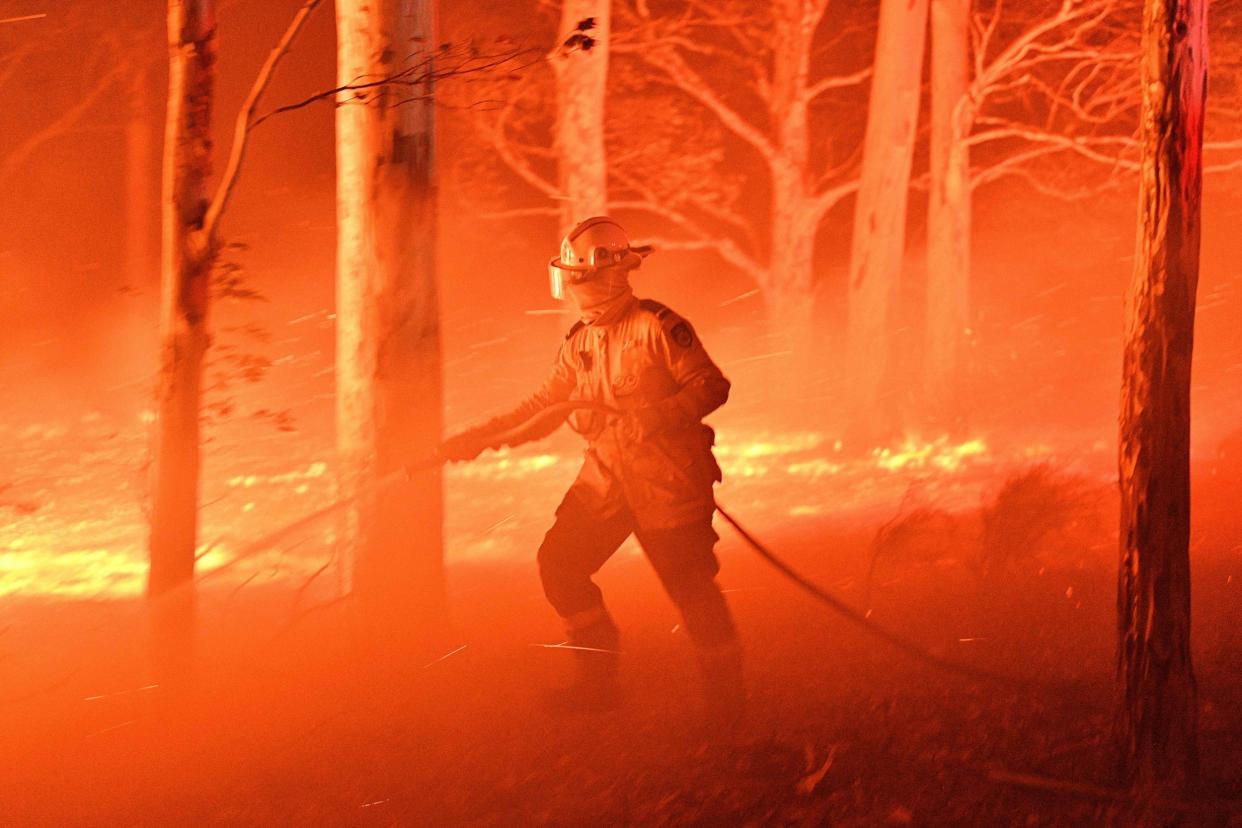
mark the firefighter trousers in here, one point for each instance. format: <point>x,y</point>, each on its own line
<point>581,541</point>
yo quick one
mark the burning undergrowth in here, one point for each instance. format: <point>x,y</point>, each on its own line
<point>1041,516</point>
<point>88,476</point>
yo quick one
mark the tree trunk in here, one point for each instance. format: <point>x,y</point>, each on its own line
<point>789,296</point>
<point>789,289</point>
<point>184,301</point>
<point>581,89</point>
<point>1158,712</point>
<point>880,213</point>
<point>949,205</point>
<point>184,292</point>
<point>788,283</point>
<point>389,384</point>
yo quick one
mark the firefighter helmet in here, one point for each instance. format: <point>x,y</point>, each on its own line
<point>591,246</point>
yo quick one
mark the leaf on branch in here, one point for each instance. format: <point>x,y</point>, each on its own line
<point>586,24</point>
<point>245,294</point>
<point>228,281</point>
<point>282,420</point>
<point>579,41</point>
<point>250,330</point>
<point>217,411</point>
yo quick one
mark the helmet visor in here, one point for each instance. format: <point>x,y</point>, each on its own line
<point>560,277</point>
<point>556,280</point>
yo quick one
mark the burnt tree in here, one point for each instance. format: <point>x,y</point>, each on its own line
<point>185,279</point>
<point>191,244</point>
<point>1157,719</point>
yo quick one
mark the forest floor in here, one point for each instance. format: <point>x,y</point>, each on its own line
<point>284,723</point>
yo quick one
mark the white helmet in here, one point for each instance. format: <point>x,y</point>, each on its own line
<point>591,246</point>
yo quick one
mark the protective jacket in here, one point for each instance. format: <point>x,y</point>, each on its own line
<point>650,363</point>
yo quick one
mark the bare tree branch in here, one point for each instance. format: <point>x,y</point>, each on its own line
<point>65,122</point>
<point>1009,166</point>
<point>242,127</point>
<point>520,165</point>
<point>414,76</point>
<point>688,81</point>
<point>838,82</point>
<point>1084,146</point>
<point>1050,80</point>
<point>723,245</point>
<point>829,198</point>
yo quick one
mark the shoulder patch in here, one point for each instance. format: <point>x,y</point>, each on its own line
<point>652,306</point>
<point>579,325</point>
<point>674,327</point>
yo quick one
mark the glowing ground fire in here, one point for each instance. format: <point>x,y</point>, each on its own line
<point>102,556</point>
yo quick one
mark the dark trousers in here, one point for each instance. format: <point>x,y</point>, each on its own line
<point>580,541</point>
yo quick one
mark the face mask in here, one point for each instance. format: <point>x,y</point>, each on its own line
<point>599,298</point>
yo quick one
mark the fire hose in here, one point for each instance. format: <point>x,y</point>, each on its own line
<point>537,426</point>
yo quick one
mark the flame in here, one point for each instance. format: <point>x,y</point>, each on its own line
<point>87,540</point>
<point>940,454</point>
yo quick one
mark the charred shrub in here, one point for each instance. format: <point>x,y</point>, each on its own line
<point>1040,515</point>
<point>920,535</point>
<point>1039,512</point>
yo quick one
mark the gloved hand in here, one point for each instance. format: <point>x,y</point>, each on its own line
<point>466,445</point>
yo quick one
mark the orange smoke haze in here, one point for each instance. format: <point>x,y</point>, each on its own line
<point>79,315</point>
<point>79,272</point>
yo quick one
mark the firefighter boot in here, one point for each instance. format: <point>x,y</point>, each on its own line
<point>595,687</point>
<point>724,693</point>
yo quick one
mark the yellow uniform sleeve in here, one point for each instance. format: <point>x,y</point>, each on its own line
<point>702,386</point>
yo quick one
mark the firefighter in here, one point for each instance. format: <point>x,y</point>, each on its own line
<point>648,471</point>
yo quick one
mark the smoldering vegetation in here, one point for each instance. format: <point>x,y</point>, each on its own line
<point>1039,516</point>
